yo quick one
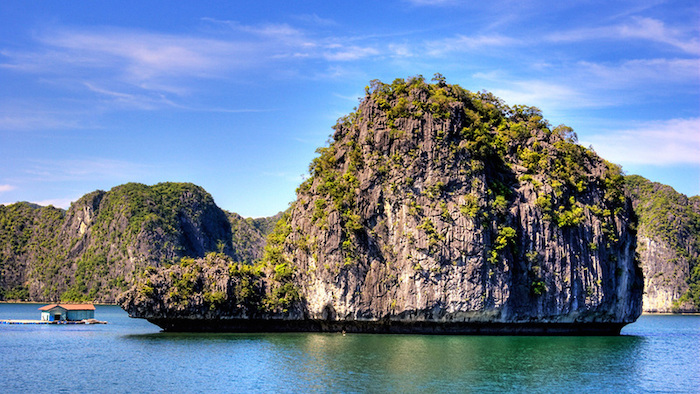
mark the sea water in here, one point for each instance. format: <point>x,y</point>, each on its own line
<point>655,354</point>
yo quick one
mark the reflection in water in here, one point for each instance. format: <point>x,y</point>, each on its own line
<point>420,363</point>
<point>411,363</point>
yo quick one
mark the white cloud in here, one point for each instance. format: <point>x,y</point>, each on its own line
<point>655,30</point>
<point>63,203</point>
<point>400,50</point>
<point>22,115</point>
<point>669,142</point>
<point>594,85</point>
<point>86,169</point>
<point>37,121</point>
<point>551,97</point>
<point>145,55</point>
<point>315,20</point>
<point>463,43</point>
<point>127,64</point>
<point>6,188</point>
<point>126,69</point>
<point>543,94</point>
<point>636,28</point>
<point>156,61</point>
<point>57,202</point>
<point>138,100</point>
<point>638,72</point>
<point>351,53</point>
<point>135,69</point>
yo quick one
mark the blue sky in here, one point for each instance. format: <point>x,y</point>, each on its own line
<point>237,96</point>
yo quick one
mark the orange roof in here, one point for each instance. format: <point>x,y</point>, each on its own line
<point>69,307</point>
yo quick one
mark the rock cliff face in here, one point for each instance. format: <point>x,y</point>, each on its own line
<point>668,246</point>
<point>436,209</point>
<point>94,250</point>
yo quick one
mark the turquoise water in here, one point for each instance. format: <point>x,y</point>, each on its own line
<point>655,354</point>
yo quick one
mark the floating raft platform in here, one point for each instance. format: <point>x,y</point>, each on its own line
<point>59,322</point>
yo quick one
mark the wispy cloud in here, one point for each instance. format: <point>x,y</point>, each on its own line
<point>295,43</point>
<point>647,29</point>
<point>668,142</point>
<point>401,50</point>
<point>551,96</point>
<point>57,202</point>
<point>315,20</point>
<point>463,43</point>
<point>638,72</point>
<point>586,84</point>
<point>127,68</point>
<point>146,55</point>
<point>350,53</point>
<point>23,115</point>
<point>142,100</point>
<point>63,203</point>
<point>86,170</point>
<point>542,93</point>
<point>146,61</point>
<point>135,69</point>
<point>36,121</point>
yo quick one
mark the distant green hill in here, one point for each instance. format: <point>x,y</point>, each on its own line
<point>668,245</point>
<point>93,250</point>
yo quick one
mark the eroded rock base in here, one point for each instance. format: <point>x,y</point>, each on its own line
<point>387,327</point>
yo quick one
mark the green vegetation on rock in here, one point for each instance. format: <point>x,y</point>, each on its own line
<point>94,250</point>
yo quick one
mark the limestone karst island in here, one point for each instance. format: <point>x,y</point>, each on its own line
<point>432,210</point>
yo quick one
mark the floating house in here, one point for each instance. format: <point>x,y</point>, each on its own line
<point>67,312</point>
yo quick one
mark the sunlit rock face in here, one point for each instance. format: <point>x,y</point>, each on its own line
<point>436,204</point>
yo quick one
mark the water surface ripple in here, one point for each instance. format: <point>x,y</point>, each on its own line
<point>655,354</point>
